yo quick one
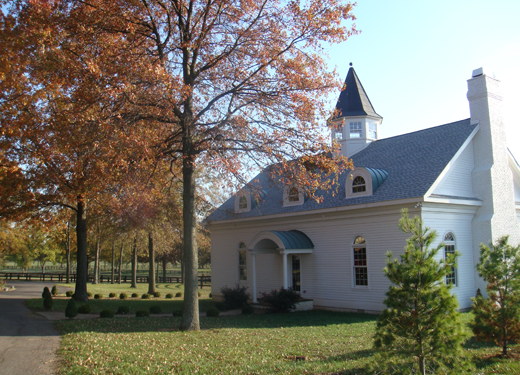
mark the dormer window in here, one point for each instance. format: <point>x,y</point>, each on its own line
<point>358,185</point>
<point>355,130</point>
<point>243,202</point>
<point>292,196</point>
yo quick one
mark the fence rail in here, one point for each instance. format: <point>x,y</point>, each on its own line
<point>61,277</point>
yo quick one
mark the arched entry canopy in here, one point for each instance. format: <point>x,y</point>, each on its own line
<point>277,242</point>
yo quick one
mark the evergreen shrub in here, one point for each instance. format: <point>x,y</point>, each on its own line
<point>235,298</point>
<point>210,295</point>
<point>169,296</point>
<point>123,296</point>
<point>69,293</point>
<point>212,312</point>
<point>146,296</point>
<point>135,295</point>
<point>48,302</point>
<point>200,294</point>
<point>71,310</point>
<point>142,313</point>
<point>178,294</point>
<point>98,296</point>
<point>157,294</point>
<point>123,310</point>
<point>221,306</point>
<point>46,292</point>
<point>247,309</point>
<point>112,295</point>
<point>156,309</point>
<point>85,309</point>
<point>89,294</point>
<point>54,290</point>
<point>107,313</point>
<point>281,301</point>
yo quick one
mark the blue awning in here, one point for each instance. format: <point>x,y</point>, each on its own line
<point>292,241</point>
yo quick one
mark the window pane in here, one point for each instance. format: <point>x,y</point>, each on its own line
<point>360,256</point>
<point>355,129</point>
<point>294,195</point>
<point>361,276</point>
<point>358,185</point>
<point>242,203</point>
<point>296,278</point>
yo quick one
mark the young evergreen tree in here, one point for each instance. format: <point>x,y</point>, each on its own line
<point>420,331</point>
<point>497,317</point>
<point>71,310</point>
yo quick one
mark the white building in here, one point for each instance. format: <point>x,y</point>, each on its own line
<point>459,178</point>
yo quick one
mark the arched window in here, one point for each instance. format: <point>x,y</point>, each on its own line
<point>242,262</point>
<point>358,185</point>
<point>294,195</point>
<point>242,203</point>
<point>449,249</point>
<point>360,271</point>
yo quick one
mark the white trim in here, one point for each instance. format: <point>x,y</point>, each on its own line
<point>462,202</point>
<point>396,202</point>
<point>452,162</point>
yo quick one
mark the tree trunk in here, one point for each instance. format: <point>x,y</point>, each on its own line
<point>190,313</point>
<point>134,264</point>
<point>80,292</point>
<point>164,264</point>
<point>67,252</point>
<point>113,262</point>
<point>120,262</point>
<point>151,266</point>
<point>96,262</point>
<point>43,266</point>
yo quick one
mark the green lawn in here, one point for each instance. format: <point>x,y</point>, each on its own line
<point>330,342</point>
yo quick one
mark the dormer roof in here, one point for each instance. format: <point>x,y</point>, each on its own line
<point>353,100</point>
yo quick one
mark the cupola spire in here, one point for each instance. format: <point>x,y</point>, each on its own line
<point>355,122</point>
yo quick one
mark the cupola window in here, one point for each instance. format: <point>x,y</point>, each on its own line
<point>355,130</point>
<point>372,130</point>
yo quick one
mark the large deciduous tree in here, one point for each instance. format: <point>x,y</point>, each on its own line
<point>420,330</point>
<point>235,83</point>
<point>497,317</point>
<point>62,141</point>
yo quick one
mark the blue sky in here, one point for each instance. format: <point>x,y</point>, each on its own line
<point>414,57</point>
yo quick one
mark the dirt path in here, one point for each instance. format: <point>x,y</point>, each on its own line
<point>28,342</point>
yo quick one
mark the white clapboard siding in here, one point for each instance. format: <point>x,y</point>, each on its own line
<point>447,219</point>
<point>327,273</point>
<point>458,181</point>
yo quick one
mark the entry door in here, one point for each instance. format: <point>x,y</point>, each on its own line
<point>296,275</point>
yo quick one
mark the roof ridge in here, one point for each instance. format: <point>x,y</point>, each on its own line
<point>419,131</point>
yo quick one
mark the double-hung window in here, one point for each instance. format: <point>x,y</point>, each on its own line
<point>449,249</point>
<point>359,250</point>
<point>242,262</point>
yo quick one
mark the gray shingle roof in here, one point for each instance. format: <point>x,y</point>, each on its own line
<point>353,100</point>
<point>413,162</point>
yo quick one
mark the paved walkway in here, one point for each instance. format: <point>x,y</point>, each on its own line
<point>28,341</point>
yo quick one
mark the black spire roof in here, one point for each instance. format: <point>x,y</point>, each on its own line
<point>353,100</point>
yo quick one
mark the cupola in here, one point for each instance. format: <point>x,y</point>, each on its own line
<point>355,123</point>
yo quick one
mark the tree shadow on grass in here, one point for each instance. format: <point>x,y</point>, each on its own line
<point>257,321</point>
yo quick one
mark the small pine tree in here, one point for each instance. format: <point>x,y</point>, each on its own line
<point>48,301</point>
<point>46,292</point>
<point>420,330</point>
<point>497,317</point>
<point>71,310</point>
